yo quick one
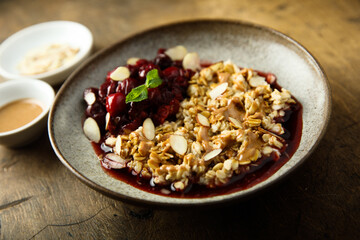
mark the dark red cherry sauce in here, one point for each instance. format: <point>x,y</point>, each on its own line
<point>258,171</point>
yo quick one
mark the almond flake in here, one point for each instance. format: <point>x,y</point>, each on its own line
<point>121,73</point>
<point>178,143</point>
<point>110,141</point>
<point>165,191</point>
<point>235,122</point>
<point>202,120</point>
<point>107,120</point>
<point>212,154</point>
<point>132,61</point>
<point>191,61</point>
<point>257,81</point>
<point>114,157</point>
<point>176,53</point>
<point>90,98</point>
<point>149,129</point>
<point>114,161</point>
<point>220,89</point>
<point>92,130</point>
<point>223,77</point>
<point>118,142</point>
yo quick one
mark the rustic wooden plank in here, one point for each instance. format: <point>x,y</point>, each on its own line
<point>41,199</point>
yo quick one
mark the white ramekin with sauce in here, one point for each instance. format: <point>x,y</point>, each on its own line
<point>24,107</point>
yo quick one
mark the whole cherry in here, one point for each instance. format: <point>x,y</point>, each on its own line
<point>115,103</point>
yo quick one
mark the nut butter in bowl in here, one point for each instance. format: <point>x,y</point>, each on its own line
<point>24,106</point>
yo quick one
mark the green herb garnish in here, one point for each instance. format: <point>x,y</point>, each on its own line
<point>137,94</point>
<point>152,79</point>
<point>141,92</point>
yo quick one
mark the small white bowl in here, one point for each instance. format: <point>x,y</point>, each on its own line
<point>14,48</point>
<point>26,88</point>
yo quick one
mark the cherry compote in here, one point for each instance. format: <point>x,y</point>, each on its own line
<point>163,102</point>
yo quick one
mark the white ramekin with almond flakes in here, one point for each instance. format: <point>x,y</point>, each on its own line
<point>48,51</point>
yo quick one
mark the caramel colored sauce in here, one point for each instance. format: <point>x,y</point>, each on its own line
<point>230,111</point>
<point>252,146</point>
<point>18,113</point>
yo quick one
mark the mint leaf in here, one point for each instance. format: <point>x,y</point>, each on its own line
<point>153,79</point>
<point>140,93</point>
<point>137,94</point>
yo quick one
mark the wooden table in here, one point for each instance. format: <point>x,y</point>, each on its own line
<point>41,199</point>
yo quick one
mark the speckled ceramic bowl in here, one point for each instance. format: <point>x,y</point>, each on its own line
<point>248,45</point>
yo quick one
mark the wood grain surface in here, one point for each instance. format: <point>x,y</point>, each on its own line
<point>41,199</point>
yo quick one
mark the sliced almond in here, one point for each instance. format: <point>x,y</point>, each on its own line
<point>235,67</point>
<point>223,77</point>
<point>118,142</point>
<point>235,122</point>
<point>110,141</point>
<point>114,161</point>
<point>165,191</point>
<point>212,154</point>
<point>132,61</point>
<point>178,143</point>
<point>90,98</point>
<point>257,81</point>
<point>191,61</point>
<point>92,130</point>
<point>220,89</point>
<point>107,120</point>
<point>202,120</point>
<point>176,53</point>
<point>149,129</point>
<point>114,157</point>
<point>121,73</point>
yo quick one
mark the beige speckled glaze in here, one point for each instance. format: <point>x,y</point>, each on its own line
<point>248,45</point>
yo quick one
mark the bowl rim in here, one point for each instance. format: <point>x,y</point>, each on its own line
<point>47,105</point>
<point>150,203</point>
<point>44,25</point>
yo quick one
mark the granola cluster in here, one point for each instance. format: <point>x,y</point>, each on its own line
<point>228,122</point>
